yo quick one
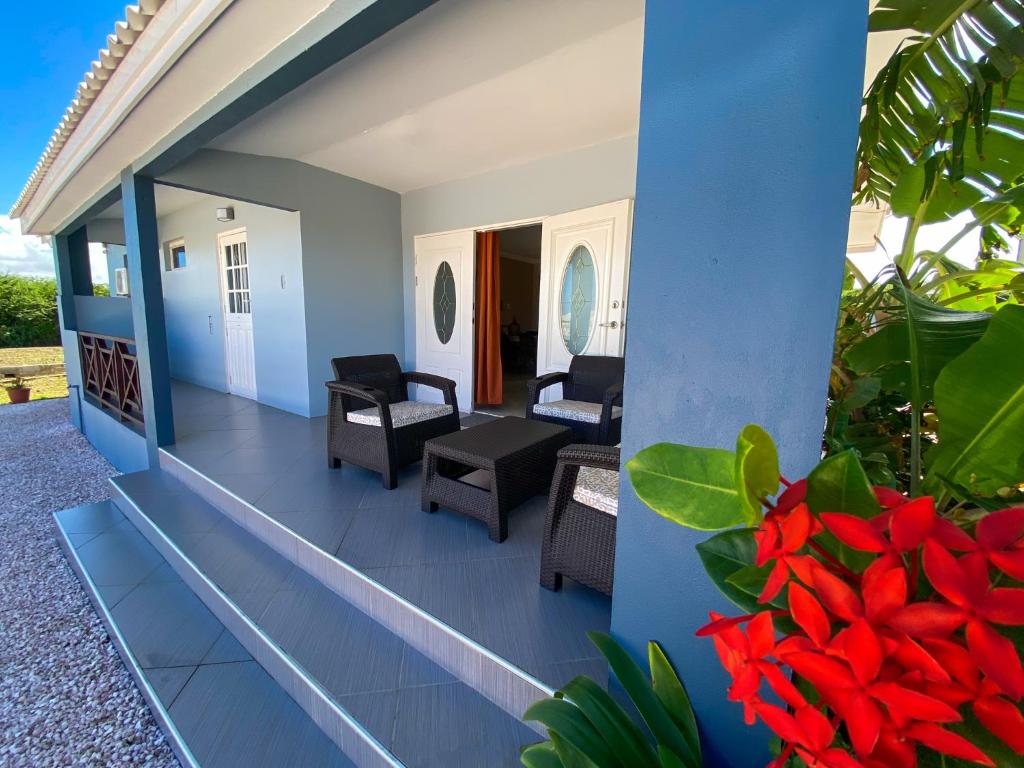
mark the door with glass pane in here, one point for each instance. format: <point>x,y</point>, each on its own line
<point>239,353</point>
<point>583,277</point>
<point>445,276</point>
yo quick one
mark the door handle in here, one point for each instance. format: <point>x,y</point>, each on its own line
<point>611,324</point>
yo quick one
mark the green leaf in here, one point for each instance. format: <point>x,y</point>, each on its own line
<point>860,392</point>
<point>757,470</point>
<point>839,484</point>
<point>569,755</point>
<point>541,755</point>
<point>619,731</point>
<point>752,580</point>
<point>694,487</point>
<point>669,689</point>
<point>724,555</point>
<point>670,759</point>
<point>925,338</point>
<point>641,693</point>
<point>562,718</point>
<point>979,398</point>
<point>933,92</point>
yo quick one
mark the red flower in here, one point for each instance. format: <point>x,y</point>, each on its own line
<point>1000,540</point>
<point>745,657</point>
<point>888,668</point>
<point>907,524</point>
<point>1003,718</point>
<point>973,602</point>
<point>780,538</point>
<point>857,692</point>
<point>810,733</point>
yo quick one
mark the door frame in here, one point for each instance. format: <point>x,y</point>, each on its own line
<point>224,310</point>
<point>508,224</point>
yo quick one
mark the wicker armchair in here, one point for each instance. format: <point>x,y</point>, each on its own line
<point>579,539</point>
<point>372,423</point>
<point>592,399</point>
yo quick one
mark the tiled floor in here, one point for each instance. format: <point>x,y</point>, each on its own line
<point>362,666</point>
<point>442,562</point>
<point>227,709</point>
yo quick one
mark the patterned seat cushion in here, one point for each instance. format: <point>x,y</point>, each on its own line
<point>403,413</point>
<point>598,488</point>
<point>575,410</point>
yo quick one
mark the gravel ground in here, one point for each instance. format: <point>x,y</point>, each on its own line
<point>65,697</point>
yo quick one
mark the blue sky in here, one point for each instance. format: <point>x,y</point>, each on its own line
<point>45,54</point>
<point>46,51</point>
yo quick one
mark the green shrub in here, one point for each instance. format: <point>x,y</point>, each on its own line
<point>28,311</point>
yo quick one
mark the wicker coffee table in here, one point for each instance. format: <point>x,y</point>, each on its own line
<point>486,471</point>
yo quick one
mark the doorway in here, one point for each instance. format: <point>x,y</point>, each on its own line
<point>236,295</point>
<point>519,270</point>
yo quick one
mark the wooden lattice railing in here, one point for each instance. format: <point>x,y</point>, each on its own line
<point>110,375</point>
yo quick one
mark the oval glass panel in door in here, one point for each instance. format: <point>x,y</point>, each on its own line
<point>579,293</point>
<point>444,302</point>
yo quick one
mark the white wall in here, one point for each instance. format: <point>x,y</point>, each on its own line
<point>556,184</point>
<point>192,300</point>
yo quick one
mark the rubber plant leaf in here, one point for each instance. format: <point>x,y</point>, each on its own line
<point>979,398</point>
<point>640,691</point>
<point>726,554</point>
<point>757,471</point>
<point>694,487</point>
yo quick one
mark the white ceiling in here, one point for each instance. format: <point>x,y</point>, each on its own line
<point>465,87</point>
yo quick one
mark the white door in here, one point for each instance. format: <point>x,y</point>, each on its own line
<point>445,280</point>
<point>239,355</point>
<point>583,276</point>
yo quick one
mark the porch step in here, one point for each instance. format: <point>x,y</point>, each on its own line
<point>217,706</point>
<point>436,635</point>
<point>369,690</point>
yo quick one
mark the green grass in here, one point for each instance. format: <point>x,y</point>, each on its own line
<point>43,387</point>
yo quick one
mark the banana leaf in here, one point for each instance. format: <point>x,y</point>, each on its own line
<point>953,87</point>
<point>979,398</point>
<point>916,344</point>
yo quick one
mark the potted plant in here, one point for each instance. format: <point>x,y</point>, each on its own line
<point>17,390</point>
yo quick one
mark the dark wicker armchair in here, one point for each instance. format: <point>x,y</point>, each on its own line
<point>579,537</point>
<point>372,423</point>
<point>591,404</point>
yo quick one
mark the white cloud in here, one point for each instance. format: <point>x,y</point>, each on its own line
<point>23,254</point>
<point>31,255</point>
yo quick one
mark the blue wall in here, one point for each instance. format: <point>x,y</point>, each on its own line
<point>120,445</point>
<point>351,253</point>
<point>192,300</point>
<point>748,124</point>
<point>105,315</point>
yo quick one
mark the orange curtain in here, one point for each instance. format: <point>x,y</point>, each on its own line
<point>487,359</point>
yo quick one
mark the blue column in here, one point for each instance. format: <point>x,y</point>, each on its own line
<point>65,282</point>
<point>78,259</point>
<point>67,319</point>
<point>748,124</point>
<point>144,280</point>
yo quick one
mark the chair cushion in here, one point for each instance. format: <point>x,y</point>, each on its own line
<point>403,413</point>
<point>598,488</point>
<point>575,410</point>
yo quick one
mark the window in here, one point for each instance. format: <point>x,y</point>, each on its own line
<point>174,255</point>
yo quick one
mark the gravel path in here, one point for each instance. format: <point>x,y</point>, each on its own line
<point>65,697</point>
